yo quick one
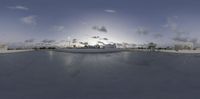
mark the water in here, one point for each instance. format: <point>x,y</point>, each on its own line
<point>125,75</point>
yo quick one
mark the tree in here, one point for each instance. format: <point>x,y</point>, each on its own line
<point>84,43</point>
<point>152,46</point>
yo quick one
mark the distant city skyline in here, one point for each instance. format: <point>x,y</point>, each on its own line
<point>133,21</point>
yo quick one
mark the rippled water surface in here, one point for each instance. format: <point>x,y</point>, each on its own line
<point>125,75</point>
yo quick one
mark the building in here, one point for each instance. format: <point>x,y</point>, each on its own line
<point>3,47</point>
<point>184,46</point>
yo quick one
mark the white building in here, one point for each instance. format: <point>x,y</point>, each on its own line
<point>3,47</point>
<point>184,46</point>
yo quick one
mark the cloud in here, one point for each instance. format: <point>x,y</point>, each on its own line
<point>100,29</point>
<point>31,20</point>
<point>158,35</point>
<point>84,43</point>
<point>110,11</point>
<point>61,41</point>
<point>29,41</point>
<point>59,28</point>
<point>18,7</point>
<point>105,39</point>
<point>172,25</point>
<point>185,39</point>
<point>100,42</point>
<point>96,37</point>
<point>181,39</point>
<point>142,31</point>
<point>180,34</point>
<point>194,40</point>
<point>48,41</point>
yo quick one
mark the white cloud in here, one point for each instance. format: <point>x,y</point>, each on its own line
<point>142,31</point>
<point>59,28</point>
<point>110,11</point>
<point>171,23</point>
<point>180,34</point>
<point>29,20</point>
<point>180,39</point>
<point>158,35</point>
<point>18,7</point>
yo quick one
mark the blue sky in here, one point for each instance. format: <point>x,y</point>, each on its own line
<point>132,21</point>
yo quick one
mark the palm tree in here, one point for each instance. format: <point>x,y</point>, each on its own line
<point>74,41</point>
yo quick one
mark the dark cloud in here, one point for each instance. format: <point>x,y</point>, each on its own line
<point>100,29</point>
<point>105,38</point>
<point>74,40</point>
<point>48,41</point>
<point>29,41</point>
<point>84,43</point>
<point>96,37</point>
<point>100,42</point>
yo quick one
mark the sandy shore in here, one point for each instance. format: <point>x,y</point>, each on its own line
<point>15,51</point>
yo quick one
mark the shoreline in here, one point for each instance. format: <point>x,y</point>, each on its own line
<point>169,51</point>
<point>180,51</point>
<point>14,51</point>
<point>88,50</point>
<point>108,51</point>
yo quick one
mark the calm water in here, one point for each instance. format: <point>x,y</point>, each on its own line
<point>126,75</point>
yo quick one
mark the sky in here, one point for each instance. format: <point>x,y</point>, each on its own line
<point>133,21</point>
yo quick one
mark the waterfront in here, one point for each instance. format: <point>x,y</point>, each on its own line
<point>127,75</point>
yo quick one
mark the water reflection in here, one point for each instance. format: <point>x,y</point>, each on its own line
<point>50,53</point>
<point>72,63</point>
<point>69,75</point>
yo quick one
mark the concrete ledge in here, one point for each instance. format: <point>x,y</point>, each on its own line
<point>14,51</point>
